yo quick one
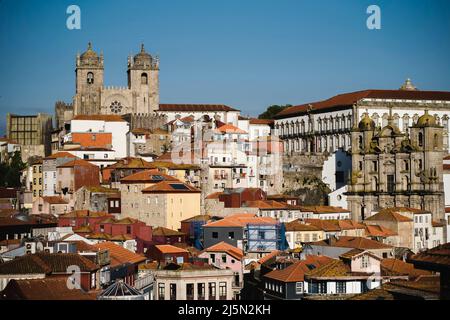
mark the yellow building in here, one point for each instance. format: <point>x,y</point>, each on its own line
<point>298,233</point>
<point>36,179</point>
<point>167,203</point>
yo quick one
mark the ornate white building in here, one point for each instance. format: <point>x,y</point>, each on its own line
<point>326,125</point>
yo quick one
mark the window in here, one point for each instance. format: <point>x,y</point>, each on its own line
<point>213,257</point>
<point>230,235</point>
<point>261,235</point>
<point>391,183</point>
<point>90,78</point>
<point>189,291</point>
<point>420,138</point>
<point>200,291</point>
<point>173,291</point>
<point>375,166</point>
<point>222,291</point>
<point>341,287</point>
<point>161,291</point>
<point>128,229</point>
<point>365,261</point>
<point>299,287</point>
<point>224,258</point>
<point>144,78</point>
<point>212,291</point>
<point>215,235</point>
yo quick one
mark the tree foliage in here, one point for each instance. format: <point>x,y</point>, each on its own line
<point>272,110</point>
<point>10,171</point>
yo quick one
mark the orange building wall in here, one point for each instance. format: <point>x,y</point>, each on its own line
<point>102,140</point>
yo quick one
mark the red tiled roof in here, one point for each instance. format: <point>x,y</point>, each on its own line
<point>324,225</point>
<point>54,200</point>
<point>241,220</point>
<point>348,99</point>
<point>391,214</point>
<point>353,242</point>
<point>61,154</point>
<point>77,163</point>
<point>166,232</point>
<point>323,209</point>
<point>46,263</point>
<point>227,248</point>
<point>229,128</point>
<point>120,254</point>
<point>399,267</point>
<point>148,176</point>
<point>167,249</point>
<point>296,271</point>
<point>171,187</point>
<point>53,288</point>
<point>99,117</point>
<point>296,225</point>
<point>379,231</point>
<point>261,121</point>
<point>438,257</point>
<point>195,107</point>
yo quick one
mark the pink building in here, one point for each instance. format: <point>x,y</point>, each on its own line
<point>225,256</point>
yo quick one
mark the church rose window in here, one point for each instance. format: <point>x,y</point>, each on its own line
<point>116,107</point>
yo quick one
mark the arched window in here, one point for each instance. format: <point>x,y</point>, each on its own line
<point>435,141</point>
<point>360,142</point>
<point>90,78</point>
<point>144,78</point>
<point>420,138</point>
<point>406,165</point>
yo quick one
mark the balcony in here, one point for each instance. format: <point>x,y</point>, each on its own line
<point>143,282</point>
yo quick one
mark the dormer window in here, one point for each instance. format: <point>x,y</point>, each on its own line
<point>90,78</point>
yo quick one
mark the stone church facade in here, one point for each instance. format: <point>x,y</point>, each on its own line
<point>141,96</point>
<point>395,169</point>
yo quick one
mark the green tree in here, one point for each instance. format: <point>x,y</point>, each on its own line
<point>10,172</point>
<point>272,110</point>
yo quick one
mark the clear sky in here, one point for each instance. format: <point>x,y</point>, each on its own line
<point>244,53</point>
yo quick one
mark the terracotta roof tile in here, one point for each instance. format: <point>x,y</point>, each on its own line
<point>99,117</point>
<point>229,128</point>
<point>353,242</point>
<point>54,200</point>
<point>348,99</point>
<point>227,248</point>
<point>241,220</point>
<point>195,107</point>
<point>171,187</point>
<point>148,176</point>
<point>120,254</point>
<point>296,272</point>
<point>77,163</point>
<point>389,214</point>
<point>167,248</point>
<point>61,154</point>
<point>166,232</point>
<point>399,267</point>
<point>53,288</point>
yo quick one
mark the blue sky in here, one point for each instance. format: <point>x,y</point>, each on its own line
<point>244,53</point>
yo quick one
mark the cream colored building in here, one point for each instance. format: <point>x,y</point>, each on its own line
<point>158,200</point>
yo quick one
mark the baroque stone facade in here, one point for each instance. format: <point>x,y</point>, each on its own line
<point>141,96</point>
<point>395,169</point>
<point>326,125</point>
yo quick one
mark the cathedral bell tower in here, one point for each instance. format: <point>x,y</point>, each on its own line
<point>89,82</point>
<point>143,81</point>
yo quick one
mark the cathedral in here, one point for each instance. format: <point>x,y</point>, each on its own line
<point>141,96</point>
<point>395,169</point>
